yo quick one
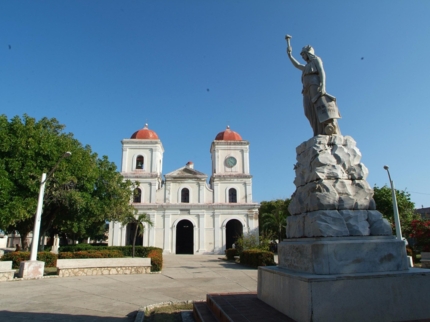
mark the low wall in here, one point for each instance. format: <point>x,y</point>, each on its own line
<point>425,260</point>
<point>103,266</point>
<point>6,271</point>
<point>3,242</point>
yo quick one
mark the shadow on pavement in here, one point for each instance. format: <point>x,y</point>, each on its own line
<point>58,317</point>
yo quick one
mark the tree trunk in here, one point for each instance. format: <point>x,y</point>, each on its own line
<point>24,244</point>
<point>280,235</point>
<point>134,238</point>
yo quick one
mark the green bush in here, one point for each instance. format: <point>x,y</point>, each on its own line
<point>156,256</point>
<point>230,253</point>
<point>50,259</point>
<point>257,257</point>
<point>75,248</point>
<point>91,254</point>
<point>140,251</point>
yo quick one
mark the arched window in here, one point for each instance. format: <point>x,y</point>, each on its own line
<point>232,195</point>
<point>137,195</point>
<point>185,195</point>
<point>139,162</point>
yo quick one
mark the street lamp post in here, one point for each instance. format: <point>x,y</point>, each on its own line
<point>34,268</point>
<point>395,208</point>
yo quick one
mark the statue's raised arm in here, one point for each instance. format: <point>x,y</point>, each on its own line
<point>289,52</point>
<point>320,108</point>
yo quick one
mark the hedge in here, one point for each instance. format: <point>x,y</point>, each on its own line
<point>155,253</point>
<point>75,248</point>
<point>230,253</point>
<point>50,259</point>
<point>91,254</point>
<point>257,257</point>
<point>156,256</point>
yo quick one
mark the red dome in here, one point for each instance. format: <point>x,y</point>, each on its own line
<point>228,135</point>
<point>145,134</point>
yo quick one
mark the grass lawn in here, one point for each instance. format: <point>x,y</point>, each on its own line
<point>170,313</point>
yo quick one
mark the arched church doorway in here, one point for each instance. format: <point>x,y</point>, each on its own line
<point>129,235</point>
<point>185,237</point>
<point>233,230</point>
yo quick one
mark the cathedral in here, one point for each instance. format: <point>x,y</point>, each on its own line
<point>190,214</point>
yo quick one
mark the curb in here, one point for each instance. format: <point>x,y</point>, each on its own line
<point>140,316</point>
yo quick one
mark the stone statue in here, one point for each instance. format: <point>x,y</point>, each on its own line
<point>320,107</point>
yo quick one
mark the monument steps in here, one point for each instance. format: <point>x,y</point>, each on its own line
<point>236,307</point>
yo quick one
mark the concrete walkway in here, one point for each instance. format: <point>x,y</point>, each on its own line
<point>116,298</point>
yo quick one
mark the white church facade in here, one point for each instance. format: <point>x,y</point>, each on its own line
<point>190,214</point>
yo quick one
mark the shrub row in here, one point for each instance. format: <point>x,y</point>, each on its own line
<point>156,256</point>
<point>50,259</point>
<point>75,248</point>
<point>155,253</point>
<point>230,253</point>
<point>257,257</point>
<point>91,254</point>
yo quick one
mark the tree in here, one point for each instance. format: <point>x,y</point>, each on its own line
<point>136,220</point>
<point>83,192</point>
<point>420,231</point>
<point>274,215</point>
<point>384,204</point>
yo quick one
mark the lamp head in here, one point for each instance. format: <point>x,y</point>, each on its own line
<point>67,154</point>
<point>386,167</point>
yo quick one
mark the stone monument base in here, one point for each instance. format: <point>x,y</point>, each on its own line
<point>343,255</point>
<point>388,296</point>
<point>31,269</point>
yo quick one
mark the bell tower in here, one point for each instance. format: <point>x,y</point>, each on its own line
<point>231,180</point>
<point>142,161</point>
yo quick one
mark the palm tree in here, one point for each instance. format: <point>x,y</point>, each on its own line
<point>138,222</point>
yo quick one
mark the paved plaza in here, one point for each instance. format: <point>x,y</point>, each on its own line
<point>115,298</point>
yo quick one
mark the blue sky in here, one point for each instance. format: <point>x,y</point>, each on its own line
<point>190,68</point>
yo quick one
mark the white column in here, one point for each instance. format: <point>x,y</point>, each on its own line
<point>124,160</point>
<point>152,231</point>
<point>146,235</point>
<point>123,234</point>
<point>153,160</point>
<point>195,238</point>
<point>217,165</point>
<point>246,160</point>
<point>166,245</point>
<point>223,239</point>
<point>216,192</point>
<point>111,234</point>
<point>174,239</point>
<point>168,188</point>
<point>201,193</point>
<point>250,221</point>
<point>217,230</point>
<point>248,192</point>
<point>153,192</point>
<point>202,228</point>
<point>116,234</point>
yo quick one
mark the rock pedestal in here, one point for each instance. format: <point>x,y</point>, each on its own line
<point>340,261</point>
<point>332,197</point>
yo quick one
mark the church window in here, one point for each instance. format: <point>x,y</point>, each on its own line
<point>139,162</point>
<point>137,196</point>
<point>185,195</point>
<point>232,195</point>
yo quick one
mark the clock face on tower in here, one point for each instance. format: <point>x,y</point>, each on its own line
<point>230,162</point>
